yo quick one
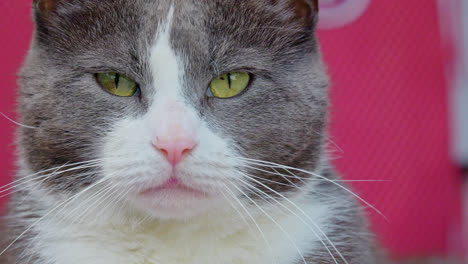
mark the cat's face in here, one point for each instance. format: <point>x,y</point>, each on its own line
<point>172,147</point>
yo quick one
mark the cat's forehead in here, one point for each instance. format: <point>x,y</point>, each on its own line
<point>129,27</point>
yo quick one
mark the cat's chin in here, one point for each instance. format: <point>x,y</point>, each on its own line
<point>174,202</point>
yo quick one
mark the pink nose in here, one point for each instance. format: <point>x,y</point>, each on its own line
<point>175,149</point>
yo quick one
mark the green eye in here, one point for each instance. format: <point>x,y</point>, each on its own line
<point>229,84</point>
<point>117,84</point>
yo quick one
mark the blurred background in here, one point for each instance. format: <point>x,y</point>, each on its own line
<point>399,115</point>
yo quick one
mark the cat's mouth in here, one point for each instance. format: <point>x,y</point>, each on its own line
<point>173,187</point>
<point>174,198</point>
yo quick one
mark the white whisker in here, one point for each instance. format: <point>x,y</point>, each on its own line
<point>300,218</point>
<point>249,214</point>
<point>98,197</point>
<point>259,162</point>
<point>111,194</point>
<point>56,214</point>
<point>286,177</point>
<point>293,186</point>
<point>17,123</point>
<point>69,200</point>
<point>274,221</point>
<point>235,208</point>
<point>48,170</point>
<point>43,178</point>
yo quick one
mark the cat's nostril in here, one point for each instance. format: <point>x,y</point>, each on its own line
<point>174,150</point>
<point>185,151</point>
<point>164,151</point>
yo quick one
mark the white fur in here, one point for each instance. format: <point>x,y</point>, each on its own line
<point>166,66</point>
<point>217,237</point>
<point>122,227</point>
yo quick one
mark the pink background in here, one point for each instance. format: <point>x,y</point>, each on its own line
<point>15,33</point>
<point>389,116</point>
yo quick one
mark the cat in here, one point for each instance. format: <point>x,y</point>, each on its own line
<point>178,131</point>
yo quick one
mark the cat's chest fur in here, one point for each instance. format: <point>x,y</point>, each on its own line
<point>224,237</point>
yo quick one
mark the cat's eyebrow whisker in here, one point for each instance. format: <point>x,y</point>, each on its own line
<point>300,218</point>
<point>67,201</point>
<point>260,162</point>
<point>272,220</point>
<point>216,68</point>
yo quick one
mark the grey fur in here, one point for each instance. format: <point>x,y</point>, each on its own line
<point>281,117</point>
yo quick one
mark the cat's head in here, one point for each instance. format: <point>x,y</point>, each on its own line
<point>171,107</point>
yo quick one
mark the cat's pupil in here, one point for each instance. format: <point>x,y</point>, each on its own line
<point>117,77</point>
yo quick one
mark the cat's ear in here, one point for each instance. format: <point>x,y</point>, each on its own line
<point>44,12</point>
<point>54,16</point>
<point>306,11</point>
<point>44,8</point>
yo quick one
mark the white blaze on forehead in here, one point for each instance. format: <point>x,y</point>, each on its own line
<point>169,116</point>
<point>166,66</point>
